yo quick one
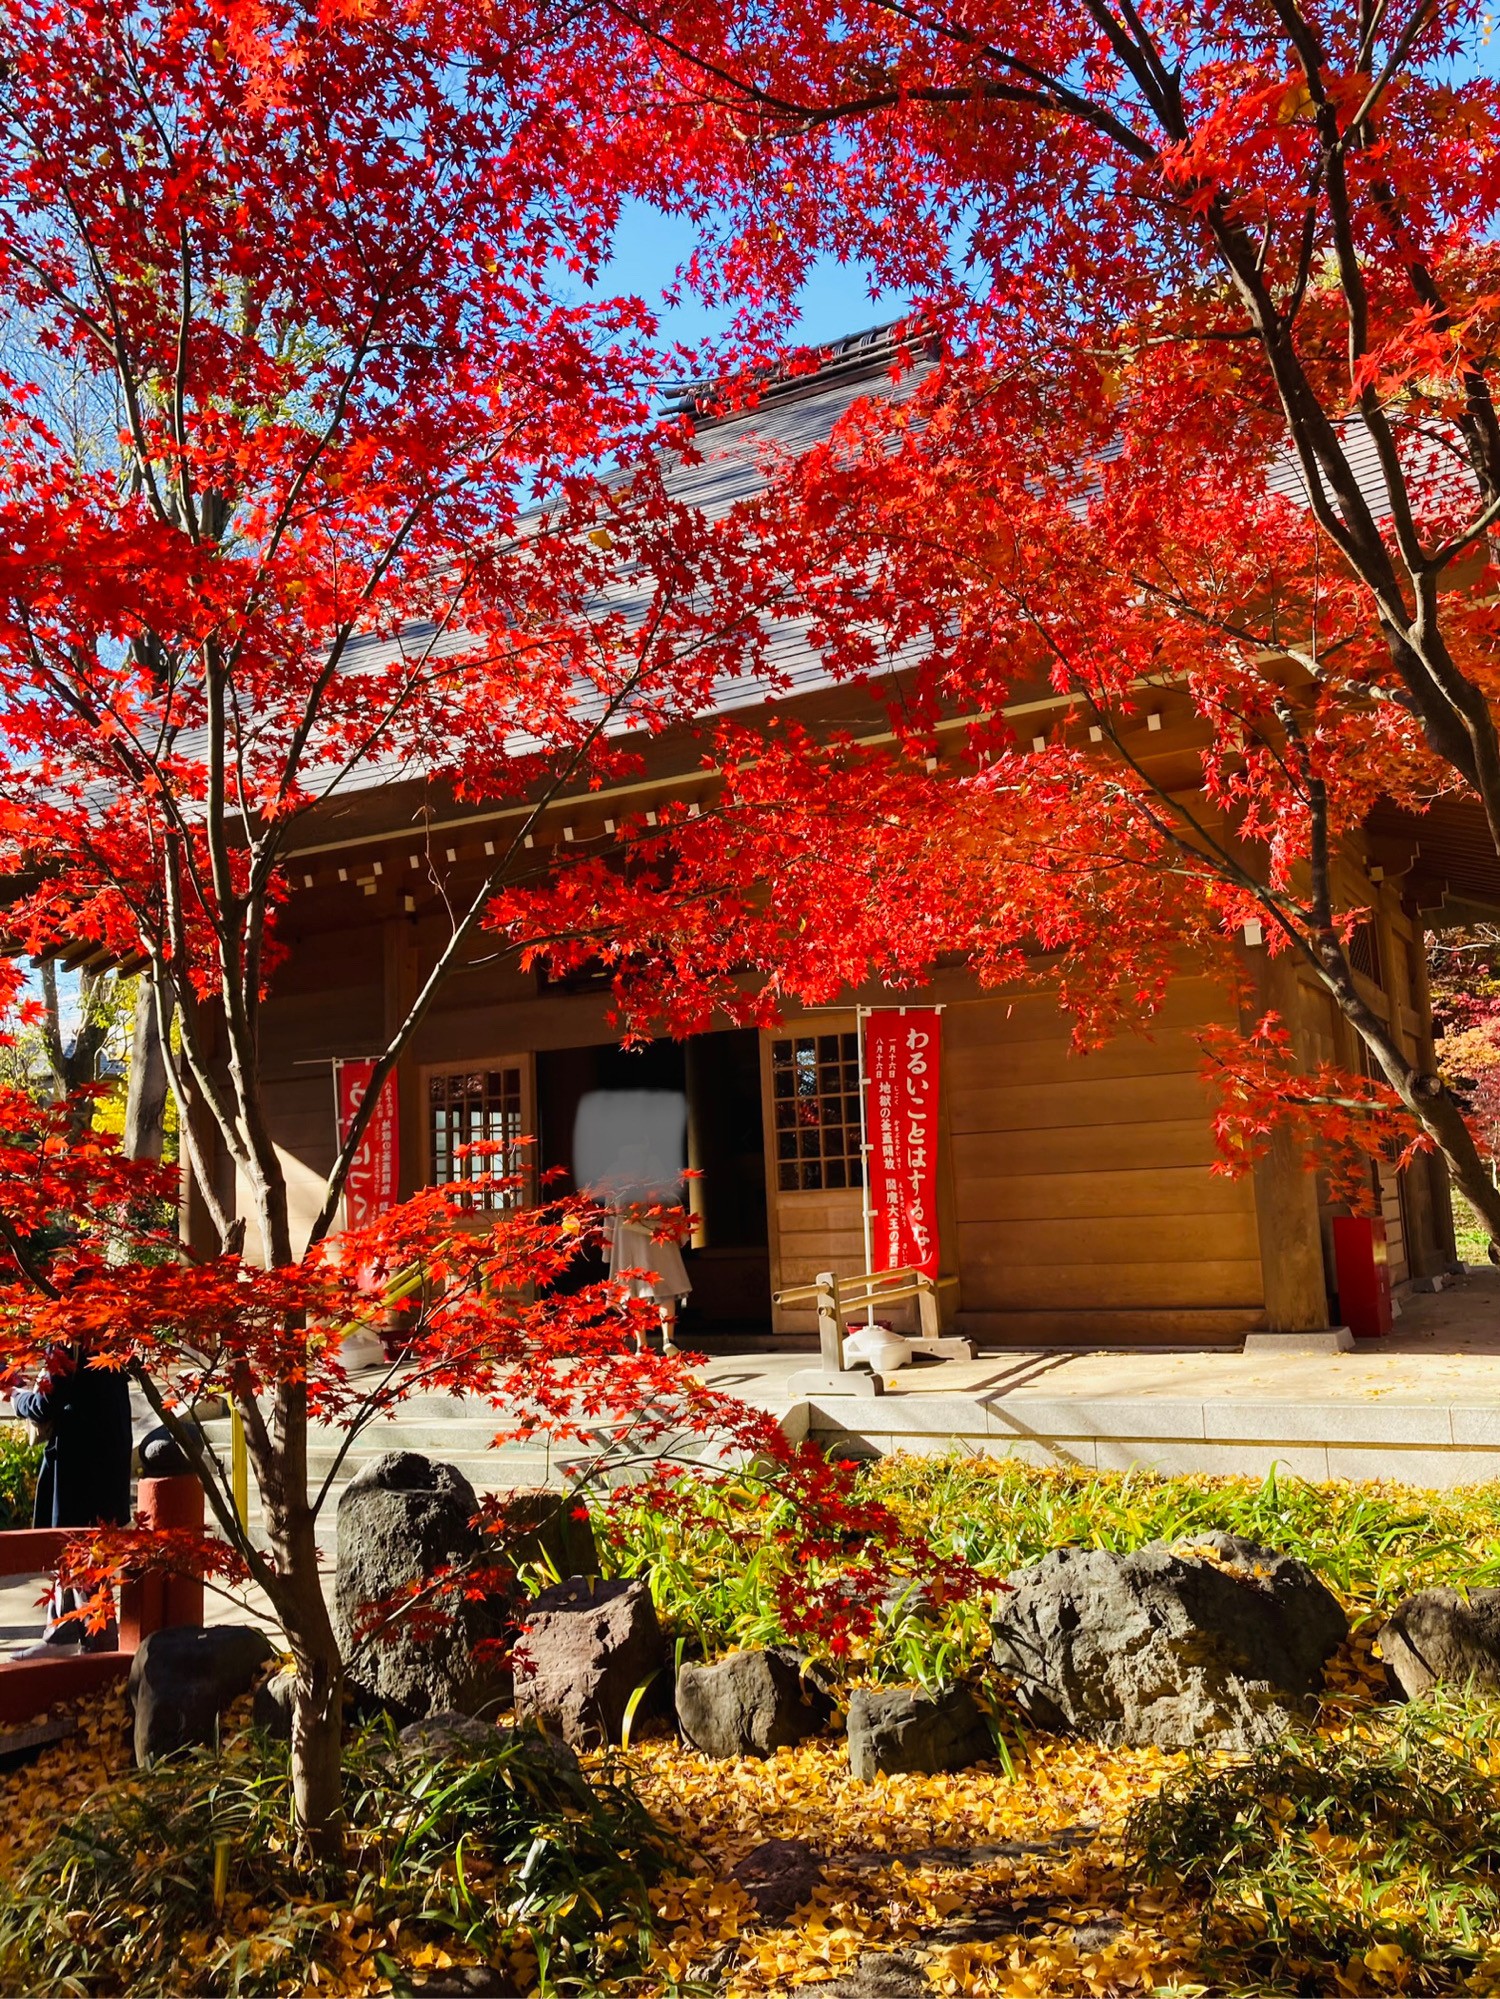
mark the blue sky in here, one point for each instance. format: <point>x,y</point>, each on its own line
<point>650,246</point>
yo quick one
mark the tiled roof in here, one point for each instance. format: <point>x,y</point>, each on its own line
<point>733,456</point>
<point>794,413</point>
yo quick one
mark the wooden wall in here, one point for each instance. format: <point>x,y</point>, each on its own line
<point>1085,1207</point>
<point>1076,1202</point>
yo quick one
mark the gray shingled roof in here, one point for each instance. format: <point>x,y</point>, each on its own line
<point>734,454</point>
<point>797,413</point>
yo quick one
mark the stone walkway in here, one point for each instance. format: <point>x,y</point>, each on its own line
<point>1421,1406</point>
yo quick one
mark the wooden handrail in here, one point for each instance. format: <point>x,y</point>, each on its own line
<point>872,1282</point>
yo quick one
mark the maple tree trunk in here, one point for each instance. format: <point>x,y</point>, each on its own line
<point>317,1696</point>
<point>281,1469</point>
<point>146,1088</point>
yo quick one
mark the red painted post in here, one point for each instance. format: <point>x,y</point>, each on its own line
<point>175,1502</point>
<point>29,1686</point>
<point>1364,1275</point>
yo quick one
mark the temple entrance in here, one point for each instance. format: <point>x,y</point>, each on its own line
<point>703,1097</point>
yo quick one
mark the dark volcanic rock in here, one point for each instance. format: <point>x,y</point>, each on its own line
<point>401,1518</point>
<point>183,1678</point>
<point>587,1646</point>
<point>449,1733</point>
<point>897,1729</point>
<point>750,1703</point>
<point>1439,1638</point>
<point>1162,1646</point>
<point>161,1456</point>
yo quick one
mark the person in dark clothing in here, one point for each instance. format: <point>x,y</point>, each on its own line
<point>84,1481</point>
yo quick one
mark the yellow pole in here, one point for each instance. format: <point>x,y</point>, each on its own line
<point>239,1467</point>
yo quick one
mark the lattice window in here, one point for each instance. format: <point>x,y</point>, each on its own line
<point>1364,952</point>
<point>476,1107</point>
<point>815,1091</point>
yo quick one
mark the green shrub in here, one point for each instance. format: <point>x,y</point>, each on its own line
<point>1347,1863</point>
<point>184,1878</point>
<point>20,1459</point>
<point>1371,1544</point>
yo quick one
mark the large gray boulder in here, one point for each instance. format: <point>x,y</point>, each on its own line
<point>183,1678</point>
<point>750,1703</point>
<point>897,1729</point>
<point>587,1646</point>
<point>1216,1641</point>
<point>402,1518</point>
<point>1439,1638</point>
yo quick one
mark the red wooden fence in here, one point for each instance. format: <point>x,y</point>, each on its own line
<point>28,1687</point>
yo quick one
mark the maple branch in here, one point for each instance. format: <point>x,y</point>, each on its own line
<point>458,937</point>
<point>179,388</point>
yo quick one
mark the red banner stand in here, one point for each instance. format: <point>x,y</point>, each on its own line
<point>28,1687</point>
<point>901,1058</point>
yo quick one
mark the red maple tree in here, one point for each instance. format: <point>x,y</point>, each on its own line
<point>1216,294</point>
<point>314,469</point>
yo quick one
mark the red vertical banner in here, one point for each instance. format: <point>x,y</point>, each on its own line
<point>374,1180</point>
<point>901,1052</point>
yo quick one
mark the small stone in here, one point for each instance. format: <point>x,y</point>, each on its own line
<point>779,1875</point>
<point>271,1710</point>
<point>1439,1638</point>
<point>586,1648</point>
<point>881,1974</point>
<point>449,1733</point>
<point>183,1678</point>
<point>438,1738</point>
<point>750,1703</point>
<point>900,1729</point>
<point>161,1456</point>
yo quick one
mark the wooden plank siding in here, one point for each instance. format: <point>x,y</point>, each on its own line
<point>1076,1199</point>
<point>1085,1204</point>
<point>1080,1204</point>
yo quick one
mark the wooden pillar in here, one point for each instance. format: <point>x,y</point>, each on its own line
<point>830,1322</point>
<point>1429,1202</point>
<point>401,969</point>
<point>1286,1194</point>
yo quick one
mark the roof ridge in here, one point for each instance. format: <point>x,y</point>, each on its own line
<point>874,350</point>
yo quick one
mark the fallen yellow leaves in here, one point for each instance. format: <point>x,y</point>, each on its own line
<point>998,1885</point>
<point>998,1882</point>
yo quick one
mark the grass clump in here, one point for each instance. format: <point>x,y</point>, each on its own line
<point>1371,1544</point>
<point>184,1878</point>
<point>1364,1861</point>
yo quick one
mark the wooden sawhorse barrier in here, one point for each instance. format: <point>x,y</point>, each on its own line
<point>28,1687</point>
<point>837,1299</point>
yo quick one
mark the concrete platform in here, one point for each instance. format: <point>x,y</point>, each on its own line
<point>1421,1406</point>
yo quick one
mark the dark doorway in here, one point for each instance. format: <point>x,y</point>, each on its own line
<point>728,1258</point>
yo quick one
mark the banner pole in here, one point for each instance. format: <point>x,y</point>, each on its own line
<point>239,1467</point>
<point>867,1213</point>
